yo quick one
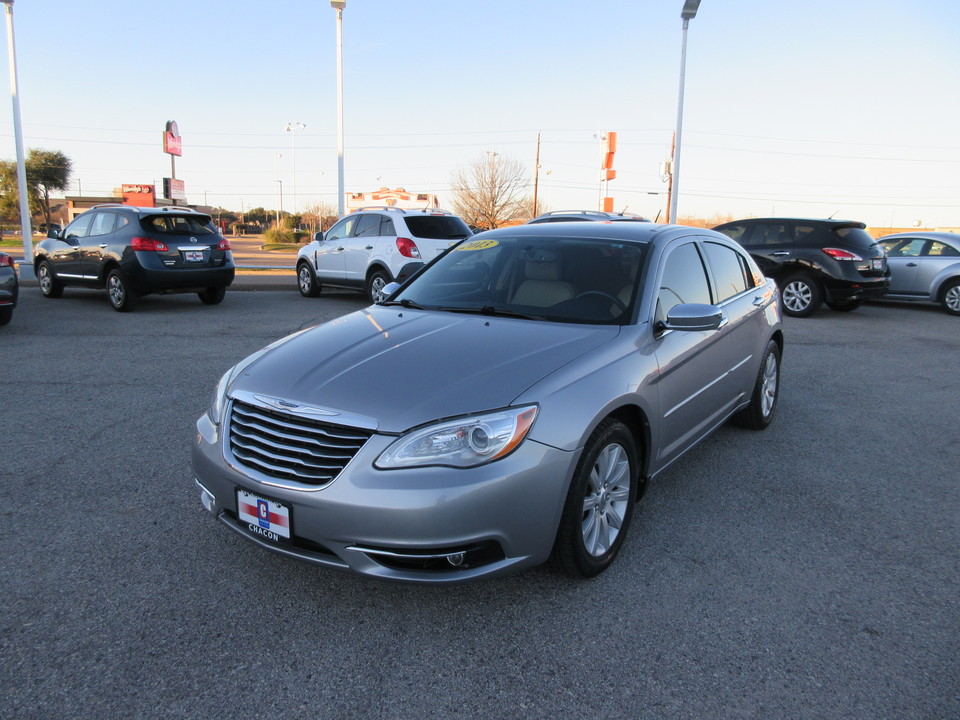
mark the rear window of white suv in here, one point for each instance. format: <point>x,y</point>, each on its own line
<point>437,227</point>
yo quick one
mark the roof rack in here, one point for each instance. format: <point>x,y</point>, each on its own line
<point>400,209</point>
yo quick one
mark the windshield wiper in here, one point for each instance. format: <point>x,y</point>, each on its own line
<point>492,312</point>
<point>410,304</point>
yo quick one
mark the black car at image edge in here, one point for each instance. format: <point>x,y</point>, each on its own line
<point>9,288</point>
<point>134,251</point>
<point>815,261</point>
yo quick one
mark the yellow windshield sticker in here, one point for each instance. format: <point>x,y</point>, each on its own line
<point>479,245</point>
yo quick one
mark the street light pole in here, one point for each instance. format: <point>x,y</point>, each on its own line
<point>689,12</point>
<point>292,128</point>
<point>339,5</point>
<point>276,178</point>
<point>26,267</point>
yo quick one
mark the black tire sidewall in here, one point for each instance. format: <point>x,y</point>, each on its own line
<point>816,295</point>
<point>569,549</point>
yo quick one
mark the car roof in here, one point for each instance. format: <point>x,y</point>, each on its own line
<point>949,237</point>
<point>589,215</point>
<point>634,232</point>
<point>824,221</point>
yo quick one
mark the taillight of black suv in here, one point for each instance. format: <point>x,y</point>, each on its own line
<point>815,261</point>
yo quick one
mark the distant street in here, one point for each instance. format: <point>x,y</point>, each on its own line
<point>247,252</point>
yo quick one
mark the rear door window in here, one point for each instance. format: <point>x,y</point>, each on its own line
<point>102,224</point>
<point>729,271</point>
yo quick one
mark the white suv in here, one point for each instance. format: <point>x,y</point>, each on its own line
<point>375,246</point>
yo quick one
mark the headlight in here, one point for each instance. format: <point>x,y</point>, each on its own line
<point>464,442</point>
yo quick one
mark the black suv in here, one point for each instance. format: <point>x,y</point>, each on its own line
<point>133,251</point>
<point>836,261</point>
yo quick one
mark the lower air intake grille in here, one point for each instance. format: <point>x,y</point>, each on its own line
<point>291,447</point>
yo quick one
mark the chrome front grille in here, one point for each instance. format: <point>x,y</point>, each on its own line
<point>291,447</point>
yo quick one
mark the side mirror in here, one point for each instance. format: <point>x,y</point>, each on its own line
<point>52,233</point>
<point>388,290</point>
<point>695,317</point>
<point>318,236</point>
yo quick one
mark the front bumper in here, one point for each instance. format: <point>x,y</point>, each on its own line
<point>426,525</point>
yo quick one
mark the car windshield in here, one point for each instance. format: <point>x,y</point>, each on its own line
<point>177,224</point>
<point>575,280</point>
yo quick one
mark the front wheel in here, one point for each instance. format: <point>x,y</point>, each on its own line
<point>599,504</point>
<point>375,284</point>
<point>763,401</point>
<point>307,281</point>
<point>212,295</point>
<point>47,279</point>
<point>119,292</point>
<point>951,297</point>
<point>801,295</point>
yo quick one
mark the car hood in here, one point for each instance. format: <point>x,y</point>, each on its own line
<point>403,368</point>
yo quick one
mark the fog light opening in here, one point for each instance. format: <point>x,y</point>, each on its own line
<point>456,560</point>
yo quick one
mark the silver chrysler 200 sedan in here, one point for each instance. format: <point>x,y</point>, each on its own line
<point>505,406</point>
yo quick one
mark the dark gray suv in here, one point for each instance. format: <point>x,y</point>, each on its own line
<point>133,251</point>
<point>815,261</point>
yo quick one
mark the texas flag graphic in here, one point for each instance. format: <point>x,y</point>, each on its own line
<point>272,517</point>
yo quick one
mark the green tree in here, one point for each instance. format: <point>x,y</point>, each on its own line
<point>47,170</point>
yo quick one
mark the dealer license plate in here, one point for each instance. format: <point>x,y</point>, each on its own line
<point>193,255</point>
<point>267,518</point>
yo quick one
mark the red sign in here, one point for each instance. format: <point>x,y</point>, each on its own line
<point>172,144</point>
<point>174,189</point>
<point>139,195</point>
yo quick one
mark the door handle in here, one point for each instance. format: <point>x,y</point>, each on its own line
<point>782,253</point>
<point>103,245</point>
<point>911,264</point>
<point>369,247</point>
<point>758,300</point>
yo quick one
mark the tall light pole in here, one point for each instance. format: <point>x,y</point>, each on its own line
<point>26,267</point>
<point>292,129</point>
<point>689,12</point>
<point>339,5</point>
<point>276,178</point>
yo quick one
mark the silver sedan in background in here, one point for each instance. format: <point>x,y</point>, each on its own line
<point>924,266</point>
<point>505,406</point>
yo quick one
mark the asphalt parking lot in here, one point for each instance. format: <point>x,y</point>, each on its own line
<point>809,571</point>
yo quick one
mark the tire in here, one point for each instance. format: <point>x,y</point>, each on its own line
<point>375,283</point>
<point>600,501</point>
<point>950,297</point>
<point>307,281</point>
<point>801,295</point>
<point>6,315</point>
<point>119,292</point>
<point>766,391</point>
<point>49,285</point>
<point>844,305</point>
<point>212,295</point>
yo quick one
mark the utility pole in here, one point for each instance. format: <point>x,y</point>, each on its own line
<point>536,176</point>
<point>669,165</point>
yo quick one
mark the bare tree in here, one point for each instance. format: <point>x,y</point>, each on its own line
<point>320,216</point>
<point>490,192</point>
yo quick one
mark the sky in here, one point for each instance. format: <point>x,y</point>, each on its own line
<point>814,108</point>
